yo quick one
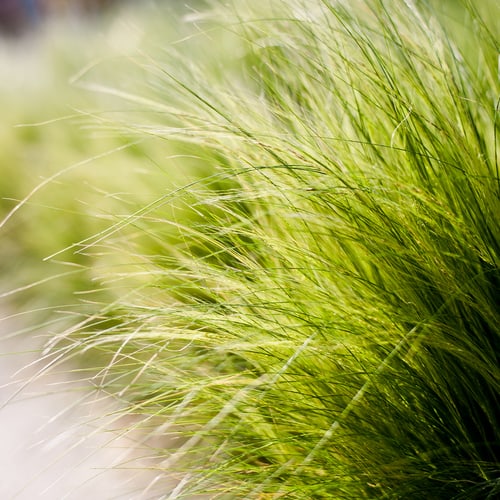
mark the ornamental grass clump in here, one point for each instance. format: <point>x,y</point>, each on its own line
<point>315,314</point>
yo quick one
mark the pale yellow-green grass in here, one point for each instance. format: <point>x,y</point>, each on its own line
<point>65,176</point>
<point>311,311</point>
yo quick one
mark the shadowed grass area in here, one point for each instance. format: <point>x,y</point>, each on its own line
<point>315,312</point>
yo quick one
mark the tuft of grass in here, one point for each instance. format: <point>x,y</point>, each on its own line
<point>315,312</point>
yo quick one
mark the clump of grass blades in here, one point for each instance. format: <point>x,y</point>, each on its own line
<point>322,308</point>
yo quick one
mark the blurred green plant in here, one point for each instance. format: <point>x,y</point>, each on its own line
<point>63,176</point>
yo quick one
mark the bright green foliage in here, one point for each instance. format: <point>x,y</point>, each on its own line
<point>317,310</point>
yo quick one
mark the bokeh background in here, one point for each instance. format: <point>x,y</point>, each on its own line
<point>61,178</point>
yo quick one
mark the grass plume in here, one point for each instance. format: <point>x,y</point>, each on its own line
<point>315,312</point>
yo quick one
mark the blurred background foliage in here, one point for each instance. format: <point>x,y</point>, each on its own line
<point>63,175</point>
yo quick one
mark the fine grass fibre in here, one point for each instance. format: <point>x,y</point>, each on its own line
<point>316,312</point>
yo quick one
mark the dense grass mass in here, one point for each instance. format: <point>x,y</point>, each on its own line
<point>314,309</point>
